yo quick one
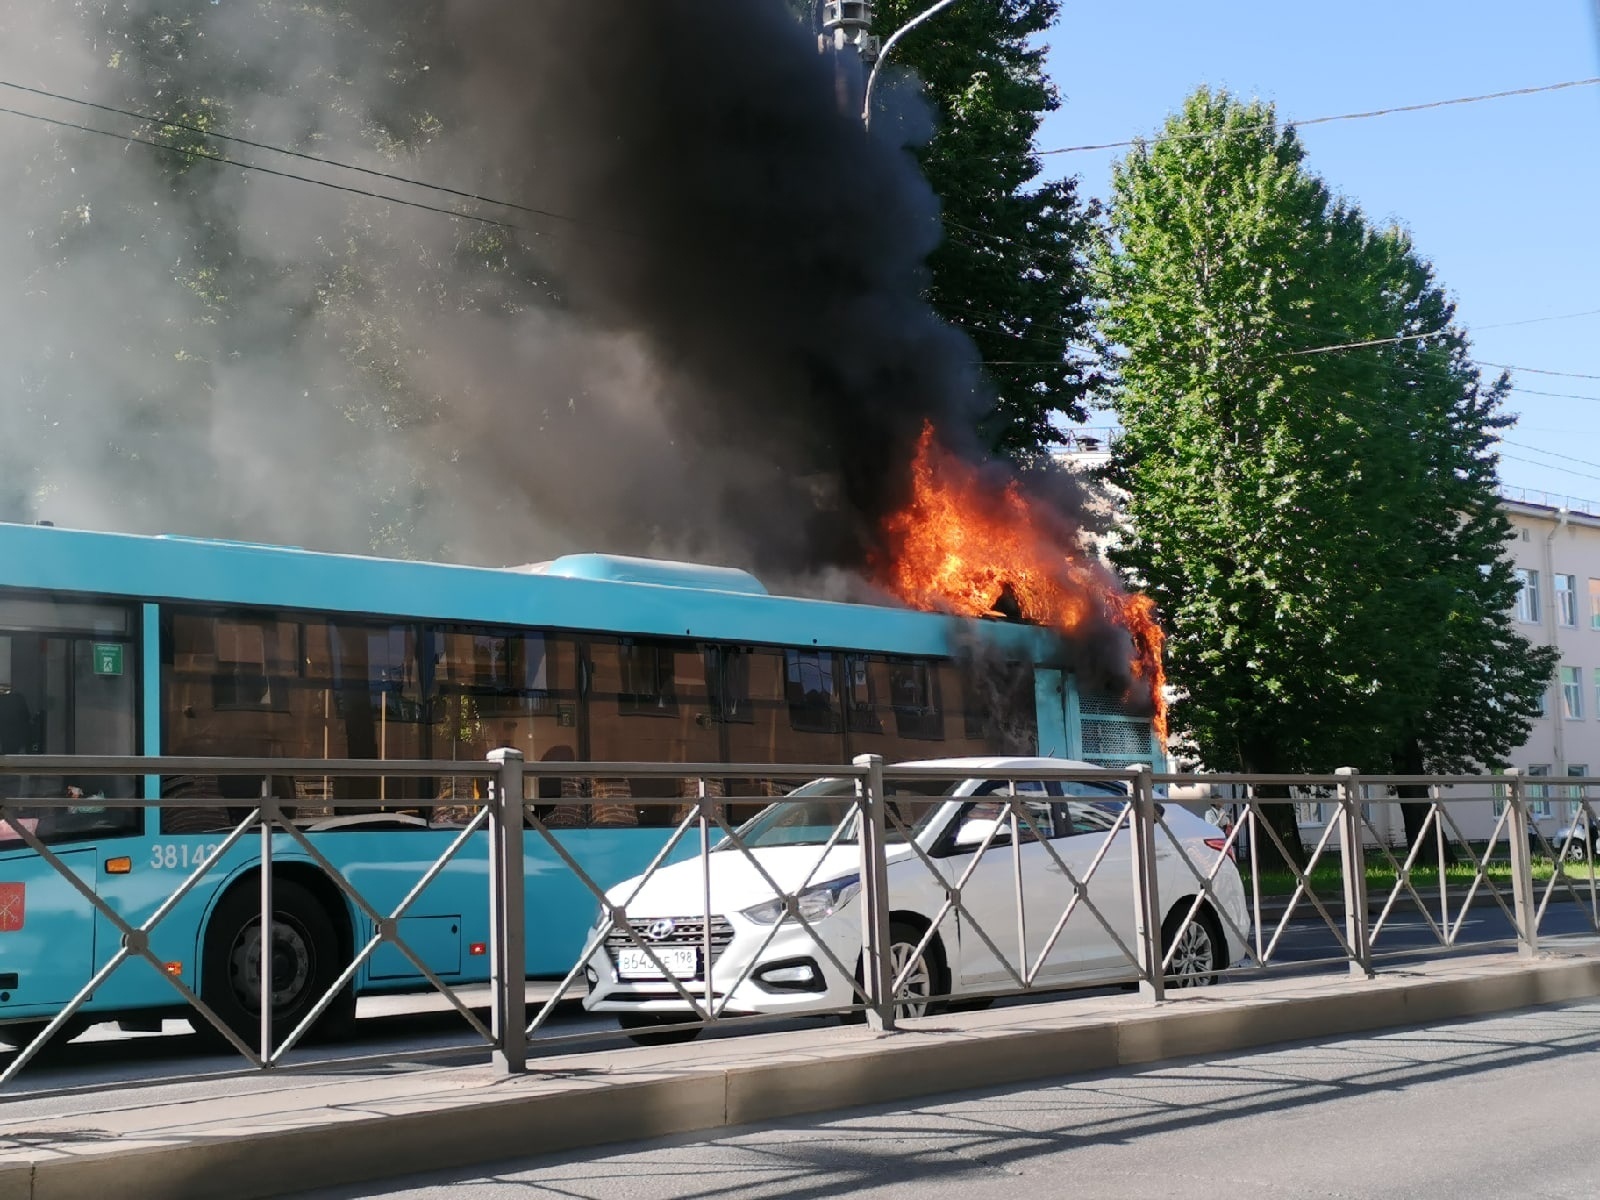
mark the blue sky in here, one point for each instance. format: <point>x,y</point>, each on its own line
<point>1503,197</point>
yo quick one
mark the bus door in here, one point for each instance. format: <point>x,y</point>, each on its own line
<point>66,691</point>
<point>68,683</point>
<point>1050,696</point>
<point>46,927</point>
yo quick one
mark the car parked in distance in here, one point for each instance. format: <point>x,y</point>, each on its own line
<point>1575,841</point>
<point>765,962</point>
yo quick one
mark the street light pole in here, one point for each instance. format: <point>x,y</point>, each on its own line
<point>880,55</point>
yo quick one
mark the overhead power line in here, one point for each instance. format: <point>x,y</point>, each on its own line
<point>479,198</point>
<point>1350,116</point>
<point>1388,341</point>
<point>1582,462</point>
<point>1588,312</point>
<point>1409,337</point>
<point>172,123</point>
<point>193,152</point>
<point>1554,395</point>
<point>1533,462</point>
<point>1537,370</point>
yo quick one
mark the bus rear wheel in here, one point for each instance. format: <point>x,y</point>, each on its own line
<point>305,962</point>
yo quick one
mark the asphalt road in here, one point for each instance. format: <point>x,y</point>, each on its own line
<point>1466,1111</point>
<point>422,1028</point>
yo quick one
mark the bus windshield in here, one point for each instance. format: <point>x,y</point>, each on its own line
<point>809,815</point>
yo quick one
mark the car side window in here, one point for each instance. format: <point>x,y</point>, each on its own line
<point>989,812</point>
<point>1086,816</point>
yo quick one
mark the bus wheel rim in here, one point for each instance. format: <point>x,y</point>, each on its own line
<point>291,964</point>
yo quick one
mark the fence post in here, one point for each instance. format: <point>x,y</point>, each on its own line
<point>1352,851</point>
<point>706,956</point>
<point>1146,895</point>
<point>1523,906</point>
<point>507,935</point>
<point>268,815</point>
<point>877,972</point>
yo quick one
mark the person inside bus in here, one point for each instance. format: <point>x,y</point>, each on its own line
<point>16,734</point>
<point>16,722</point>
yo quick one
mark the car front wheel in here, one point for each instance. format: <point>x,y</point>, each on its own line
<point>1194,953</point>
<point>918,967</point>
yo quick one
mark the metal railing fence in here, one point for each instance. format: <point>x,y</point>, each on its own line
<point>1026,886</point>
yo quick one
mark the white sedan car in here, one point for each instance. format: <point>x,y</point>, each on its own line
<point>763,961</point>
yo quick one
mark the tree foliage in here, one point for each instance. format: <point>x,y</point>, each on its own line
<point>1012,269</point>
<point>1318,525</point>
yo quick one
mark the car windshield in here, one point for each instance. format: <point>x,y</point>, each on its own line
<point>808,815</point>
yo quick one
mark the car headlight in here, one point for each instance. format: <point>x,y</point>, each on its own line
<point>814,903</point>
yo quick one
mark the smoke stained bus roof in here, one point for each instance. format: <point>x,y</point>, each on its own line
<point>621,568</point>
<point>213,572</point>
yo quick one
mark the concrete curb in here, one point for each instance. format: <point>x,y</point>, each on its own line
<point>463,1116</point>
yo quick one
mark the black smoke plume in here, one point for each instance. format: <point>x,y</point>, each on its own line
<point>697,331</point>
<point>729,212</point>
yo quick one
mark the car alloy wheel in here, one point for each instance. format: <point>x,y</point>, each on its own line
<point>911,1000</point>
<point>1193,962</point>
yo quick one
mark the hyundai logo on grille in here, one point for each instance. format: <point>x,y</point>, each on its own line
<point>660,930</point>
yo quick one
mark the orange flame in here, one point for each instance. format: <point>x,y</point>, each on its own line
<point>963,544</point>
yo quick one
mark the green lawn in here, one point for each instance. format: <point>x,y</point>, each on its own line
<point>1327,881</point>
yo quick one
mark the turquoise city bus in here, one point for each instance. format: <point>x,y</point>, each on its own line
<point>125,645</point>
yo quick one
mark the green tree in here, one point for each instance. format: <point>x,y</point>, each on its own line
<point>1318,526</point>
<point>1012,268</point>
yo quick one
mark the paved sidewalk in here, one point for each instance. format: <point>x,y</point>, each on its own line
<point>345,1124</point>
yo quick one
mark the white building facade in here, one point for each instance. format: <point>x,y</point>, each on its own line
<point>1557,556</point>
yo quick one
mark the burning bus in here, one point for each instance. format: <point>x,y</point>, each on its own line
<point>126,645</point>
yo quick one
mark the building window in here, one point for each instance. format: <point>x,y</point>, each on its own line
<point>1572,693</point>
<point>647,673</point>
<point>918,712</point>
<point>1538,794</point>
<point>1594,604</point>
<point>1528,596</point>
<point>728,682</point>
<point>1567,599</point>
<point>1575,791</point>
<point>252,662</point>
<point>812,692</point>
<point>860,695</point>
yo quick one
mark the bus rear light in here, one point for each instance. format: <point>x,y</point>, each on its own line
<point>1221,843</point>
<point>478,948</point>
<point>119,866</point>
<point>174,968</point>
